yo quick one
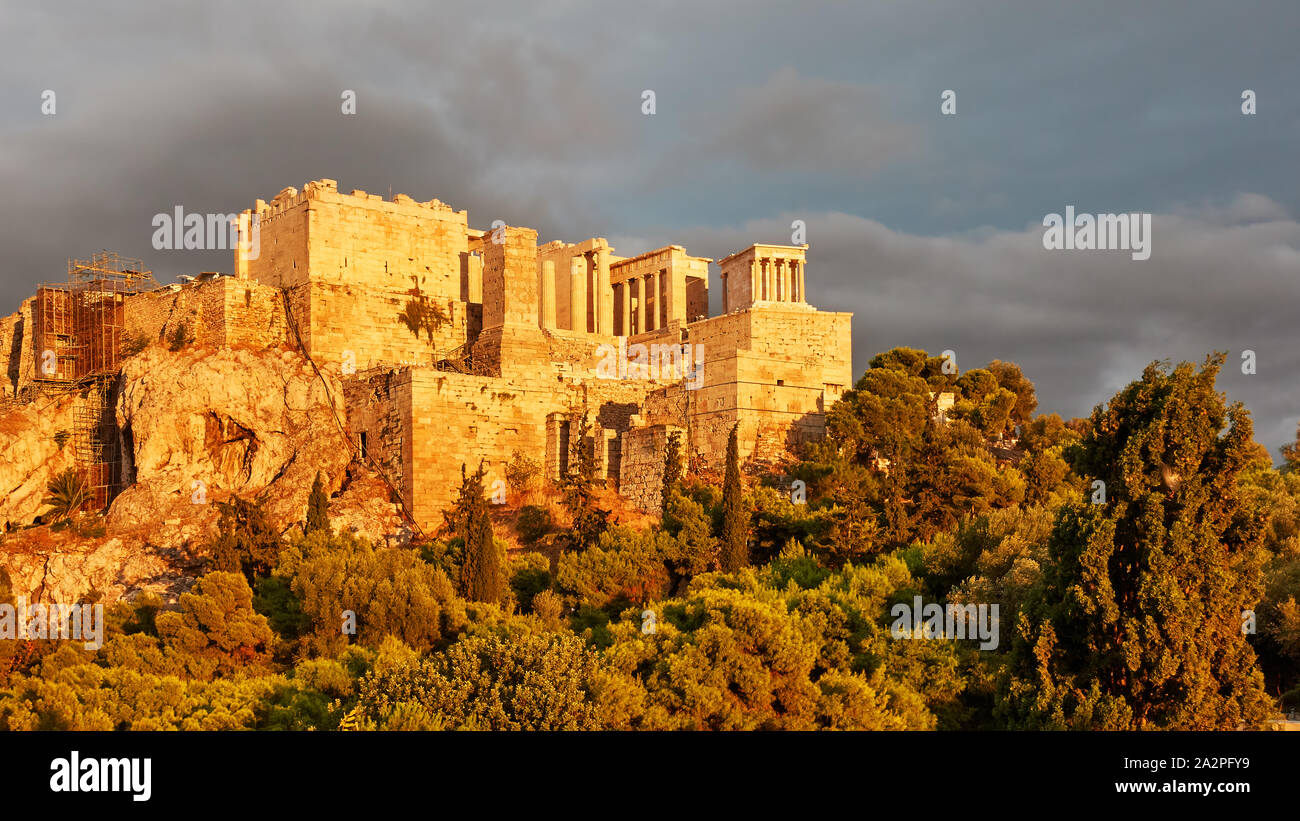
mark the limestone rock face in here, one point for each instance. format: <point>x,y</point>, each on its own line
<point>197,426</point>
<point>30,454</point>
<point>201,425</point>
<point>365,511</point>
<point>45,566</point>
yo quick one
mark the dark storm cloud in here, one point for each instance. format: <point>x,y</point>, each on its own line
<point>926,227</point>
<point>1082,324</point>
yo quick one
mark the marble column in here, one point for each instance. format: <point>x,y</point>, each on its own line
<point>640,304</point>
<point>655,307</point>
<point>548,294</point>
<point>604,294</point>
<point>578,293</point>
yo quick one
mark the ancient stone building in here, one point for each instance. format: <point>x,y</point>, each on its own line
<point>455,345</point>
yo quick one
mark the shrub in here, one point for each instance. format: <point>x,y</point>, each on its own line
<point>533,523</point>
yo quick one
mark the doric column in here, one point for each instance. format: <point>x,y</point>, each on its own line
<point>548,293</point>
<point>655,310</point>
<point>578,293</point>
<point>640,304</point>
<point>604,293</point>
<point>627,307</point>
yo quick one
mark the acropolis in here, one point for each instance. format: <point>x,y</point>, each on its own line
<point>456,346</point>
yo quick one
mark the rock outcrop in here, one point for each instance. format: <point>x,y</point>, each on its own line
<point>201,425</point>
<point>197,426</point>
<point>35,446</point>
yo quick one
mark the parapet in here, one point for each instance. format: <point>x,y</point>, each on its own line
<point>325,190</point>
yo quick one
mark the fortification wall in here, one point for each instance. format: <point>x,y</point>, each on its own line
<point>641,474</point>
<point>343,317</point>
<point>459,419</point>
<point>378,404</point>
<point>218,312</point>
<point>360,239</point>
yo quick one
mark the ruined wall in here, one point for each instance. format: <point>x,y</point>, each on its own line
<point>641,474</point>
<point>378,405</point>
<point>218,312</point>
<point>459,419</point>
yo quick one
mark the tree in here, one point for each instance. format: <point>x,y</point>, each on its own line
<point>672,467</point>
<point>735,515</point>
<point>67,493</point>
<point>544,681</point>
<point>318,519</point>
<point>217,624</point>
<point>1291,454</point>
<point>480,574</point>
<point>1138,621</point>
<point>245,542</point>
<point>589,520</point>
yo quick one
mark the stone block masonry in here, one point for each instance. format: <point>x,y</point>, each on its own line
<point>457,345</point>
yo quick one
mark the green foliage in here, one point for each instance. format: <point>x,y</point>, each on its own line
<point>66,493</point>
<point>531,681</point>
<point>245,541</point>
<point>179,339</point>
<point>530,574</point>
<point>522,474</point>
<point>735,513</point>
<point>318,520</point>
<point>391,591</point>
<point>1137,622</point>
<point>216,630</point>
<point>579,500</point>
<point>533,522</point>
<point>482,568</point>
<point>626,567</point>
<point>672,472</point>
<point>736,653</point>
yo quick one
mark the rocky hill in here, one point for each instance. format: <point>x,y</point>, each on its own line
<point>196,426</point>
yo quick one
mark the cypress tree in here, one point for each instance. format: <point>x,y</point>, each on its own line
<point>672,468</point>
<point>735,515</point>
<point>480,575</point>
<point>1138,620</point>
<point>317,508</point>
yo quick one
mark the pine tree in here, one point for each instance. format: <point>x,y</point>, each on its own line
<point>480,576</point>
<point>318,519</point>
<point>1138,620</point>
<point>735,515</point>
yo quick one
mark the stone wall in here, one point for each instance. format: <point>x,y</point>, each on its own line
<point>218,312</point>
<point>641,475</point>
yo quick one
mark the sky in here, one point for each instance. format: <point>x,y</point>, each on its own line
<point>927,226</point>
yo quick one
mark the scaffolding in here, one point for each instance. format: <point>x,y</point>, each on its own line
<point>77,329</point>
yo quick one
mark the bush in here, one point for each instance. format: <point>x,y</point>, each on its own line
<point>533,523</point>
<point>530,574</point>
